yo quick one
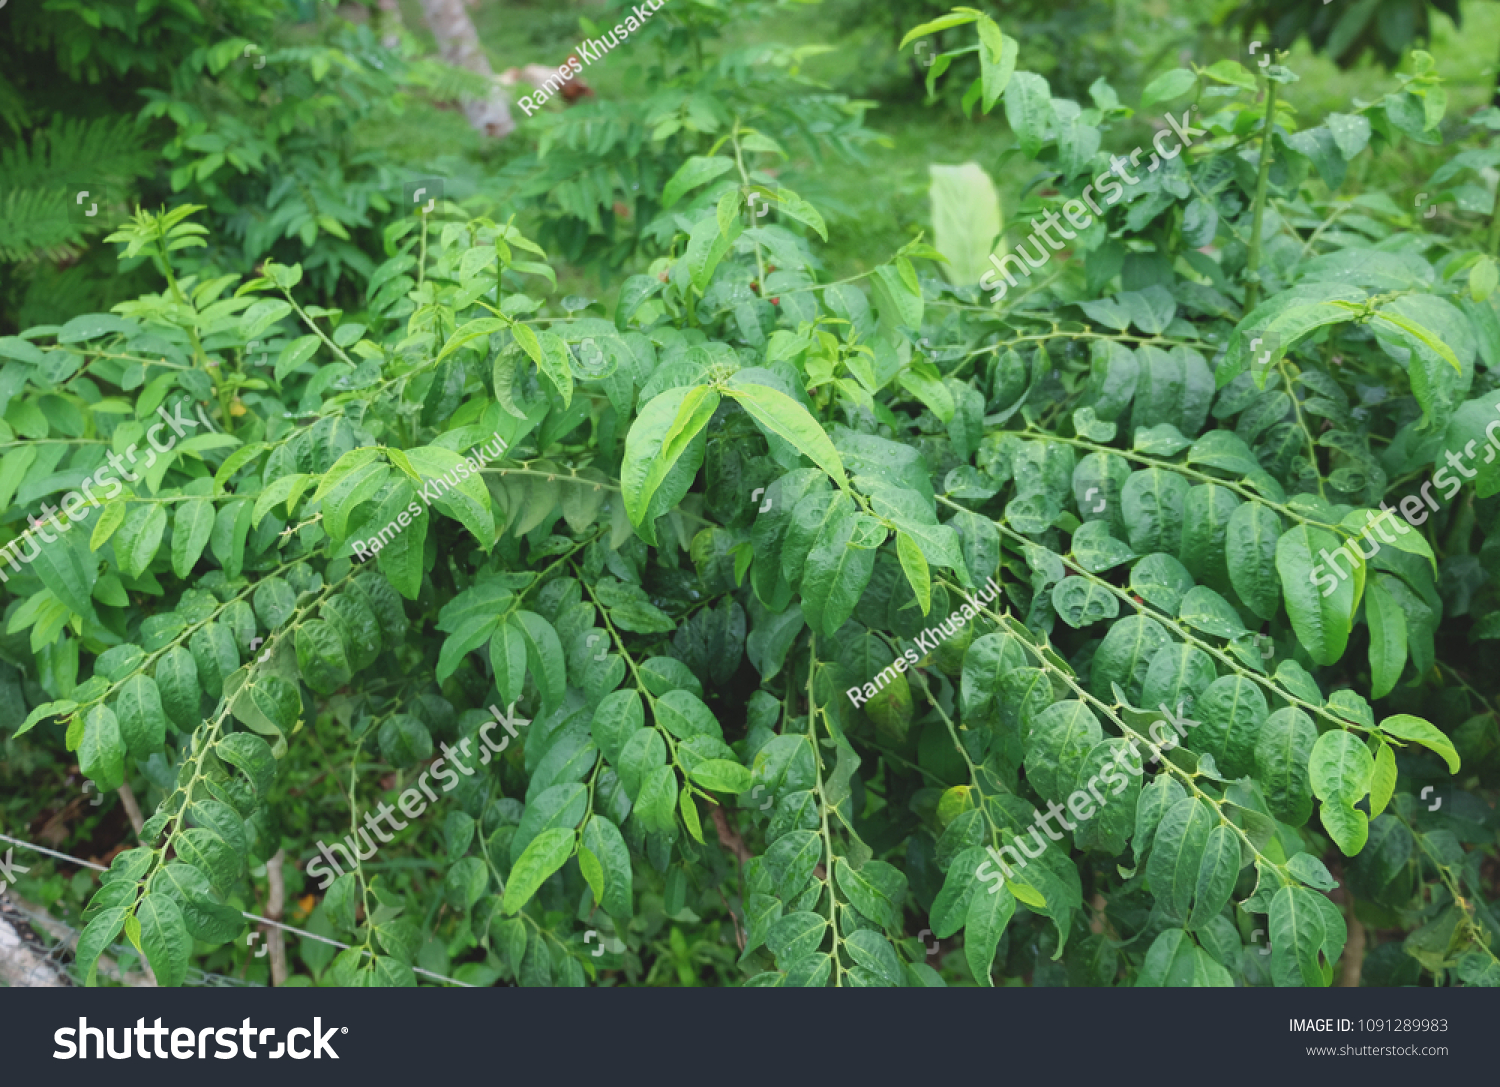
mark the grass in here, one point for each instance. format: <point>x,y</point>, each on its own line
<point>876,206</point>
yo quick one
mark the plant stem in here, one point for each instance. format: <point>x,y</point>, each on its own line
<point>1252,263</point>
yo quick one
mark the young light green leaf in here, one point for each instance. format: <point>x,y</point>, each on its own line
<point>547,852</point>
<point>776,413</point>
<point>914,564</point>
<point>1415,730</point>
<point>694,172</point>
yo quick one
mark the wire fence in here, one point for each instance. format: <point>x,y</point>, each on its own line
<point>36,951</point>
<point>29,959</point>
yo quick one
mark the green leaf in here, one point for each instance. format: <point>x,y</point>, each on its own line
<point>96,938</point>
<point>508,659</point>
<point>794,207</point>
<point>1297,936</point>
<point>1217,873</point>
<point>405,740</point>
<point>143,723</point>
<point>914,564</point>
<point>164,938</point>
<point>997,61</point>
<point>707,246</point>
<point>1167,86</point>
<point>657,803</point>
<point>1230,713</point>
<point>984,924</point>
<point>874,952</point>
<point>602,838</point>
<point>204,848</point>
<point>1382,779</point>
<point>1061,735</point>
<point>1415,730</point>
<point>662,433</point>
<point>44,711</point>
<point>592,870</point>
<point>876,890</point>
<point>139,537</point>
<point>1177,854</point>
<point>1282,753</point>
<point>101,752</point>
<point>1405,538</point>
<point>690,817</point>
<point>321,657</point>
<point>898,302</point>
<point>69,572</point>
<point>547,852</point>
<point>1250,555</point>
<point>1387,623</point>
<point>1028,108</point>
<point>556,365</point>
<point>790,861</point>
<point>1151,503</point>
<point>778,414</point>
<point>544,655</point>
<point>618,717</point>
<point>649,459</point>
<point>252,756</point>
<point>960,17</point>
<point>950,909</point>
<point>1484,277</point>
<point>1425,336</point>
<point>694,172</point>
<point>722,776</point>
<point>684,715</point>
<point>796,936</point>
<point>642,754</point>
<point>837,570</point>
<point>191,528</point>
<point>1080,602</point>
<point>467,502</point>
<point>1340,769</point>
<point>111,517</point>
<point>1318,601</point>
<point>1173,960</point>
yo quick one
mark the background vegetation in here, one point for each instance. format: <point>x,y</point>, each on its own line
<point>694,792</point>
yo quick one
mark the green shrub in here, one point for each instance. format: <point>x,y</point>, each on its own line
<point>801,600</point>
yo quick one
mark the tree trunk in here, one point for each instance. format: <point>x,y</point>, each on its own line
<point>390,24</point>
<point>459,44</point>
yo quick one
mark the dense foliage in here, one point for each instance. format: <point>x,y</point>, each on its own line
<point>758,631</point>
<point>269,113</point>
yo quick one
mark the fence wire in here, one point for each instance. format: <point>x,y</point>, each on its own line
<point>36,963</point>
<point>36,951</point>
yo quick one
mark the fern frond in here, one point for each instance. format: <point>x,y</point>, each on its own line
<point>12,107</point>
<point>34,224</point>
<point>105,149</point>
